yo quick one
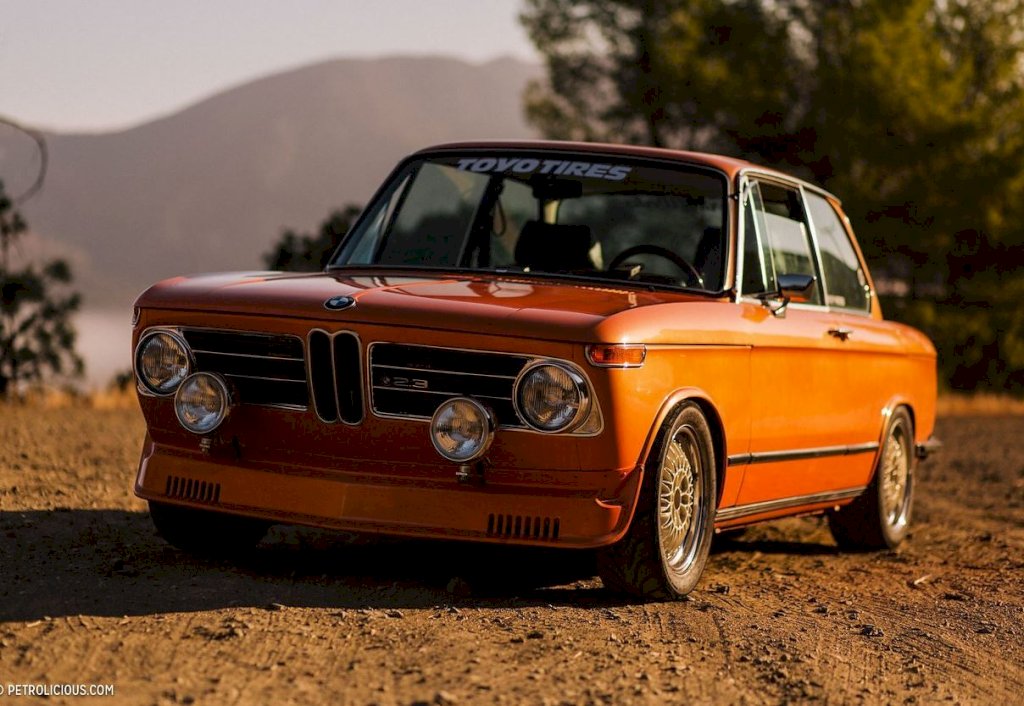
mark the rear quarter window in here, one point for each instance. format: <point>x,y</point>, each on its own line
<point>846,282</point>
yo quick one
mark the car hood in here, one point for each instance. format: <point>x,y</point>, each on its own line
<point>501,305</point>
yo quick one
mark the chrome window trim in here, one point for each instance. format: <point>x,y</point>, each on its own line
<point>746,299</point>
<point>746,186</point>
<point>738,511</point>
<point>786,180</point>
<point>744,177</point>
<point>848,232</point>
<point>595,407</point>
<point>179,330</point>
<point>334,375</point>
<point>681,162</point>
<point>816,246</point>
<point>802,454</point>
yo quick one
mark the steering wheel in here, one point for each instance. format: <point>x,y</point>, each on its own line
<point>646,249</point>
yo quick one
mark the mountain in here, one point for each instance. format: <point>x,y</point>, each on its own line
<point>210,187</point>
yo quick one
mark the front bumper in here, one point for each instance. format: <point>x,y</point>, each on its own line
<point>571,510</point>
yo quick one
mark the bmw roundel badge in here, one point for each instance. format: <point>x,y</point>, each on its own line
<point>339,303</point>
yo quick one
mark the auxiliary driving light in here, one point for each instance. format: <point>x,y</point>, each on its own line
<point>202,402</point>
<point>462,429</point>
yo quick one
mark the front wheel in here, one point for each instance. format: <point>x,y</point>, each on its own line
<point>666,547</point>
<point>204,533</point>
<point>880,518</point>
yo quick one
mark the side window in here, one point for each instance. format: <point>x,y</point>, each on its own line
<point>758,270</point>
<point>844,277</point>
<point>788,235</point>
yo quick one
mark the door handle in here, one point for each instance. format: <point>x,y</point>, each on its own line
<point>841,333</point>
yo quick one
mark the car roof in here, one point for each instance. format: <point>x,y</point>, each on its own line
<point>731,166</point>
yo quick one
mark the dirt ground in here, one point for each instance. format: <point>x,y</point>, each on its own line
<point>90,595</point>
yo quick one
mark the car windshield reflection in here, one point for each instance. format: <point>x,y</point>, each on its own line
<point>632,222</point>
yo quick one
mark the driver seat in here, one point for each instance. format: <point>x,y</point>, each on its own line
<point>554,247</point>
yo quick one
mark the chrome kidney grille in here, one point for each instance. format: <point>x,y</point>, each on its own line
<point>411,381</point>
<point>335,376</point>
<point>266,369</point>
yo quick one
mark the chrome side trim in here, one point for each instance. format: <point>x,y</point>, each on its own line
<point>737,511</point>
<point>801,454</point>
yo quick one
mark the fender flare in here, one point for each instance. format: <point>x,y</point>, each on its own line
<point>710,410</point>
<point>895,402</point>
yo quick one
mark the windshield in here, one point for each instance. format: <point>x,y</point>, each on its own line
<point>591,216</point>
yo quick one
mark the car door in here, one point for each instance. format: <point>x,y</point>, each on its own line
<point>871,368</point>
<point>797,402</point>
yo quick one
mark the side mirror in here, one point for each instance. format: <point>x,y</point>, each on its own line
<point>791,288</point>
<point>795,288</point>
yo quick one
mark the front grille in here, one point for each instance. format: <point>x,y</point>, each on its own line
<point>266,369</point>
<point>523,527</point>
<point>412,381</point>
<point>199,491</point>
<point>335,376</point>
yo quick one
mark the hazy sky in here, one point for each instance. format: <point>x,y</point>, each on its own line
<point>102,64</point>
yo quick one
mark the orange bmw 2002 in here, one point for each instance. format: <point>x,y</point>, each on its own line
<point>539,343</point>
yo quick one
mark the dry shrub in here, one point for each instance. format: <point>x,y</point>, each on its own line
<point>979,404</point>
<point>56,398</point>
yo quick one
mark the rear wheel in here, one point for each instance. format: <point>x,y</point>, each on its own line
<point>666,547</point>
<point>880,518</point>
<point>205,533</point>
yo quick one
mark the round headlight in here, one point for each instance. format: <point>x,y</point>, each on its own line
<point>162,361</point>
<point>551,397</point>
<point>202,402</point>
<point>462,429</point>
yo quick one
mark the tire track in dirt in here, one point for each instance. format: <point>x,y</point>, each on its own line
<point>89,593</point>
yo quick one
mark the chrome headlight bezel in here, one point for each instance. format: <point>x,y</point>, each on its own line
<point>227,399</point>
<point>580,385</point>
<point>179,340</point>
<point>488,423</point>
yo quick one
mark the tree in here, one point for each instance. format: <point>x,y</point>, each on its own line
<point>912,111</point>
<point>36,335</point>
<point>301,252</point>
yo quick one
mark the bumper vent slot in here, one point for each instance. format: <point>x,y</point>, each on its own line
<point>412,381</point>
<point>522,527</point>
<point>198,491</point>
<point>267,369</point>
<point>335,376</point>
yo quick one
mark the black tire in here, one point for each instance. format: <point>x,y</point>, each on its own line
<point>880,518</point>
<point>648,562</point>
<point>207,534</point>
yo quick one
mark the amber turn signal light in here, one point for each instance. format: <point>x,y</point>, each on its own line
<point>617,355</point>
